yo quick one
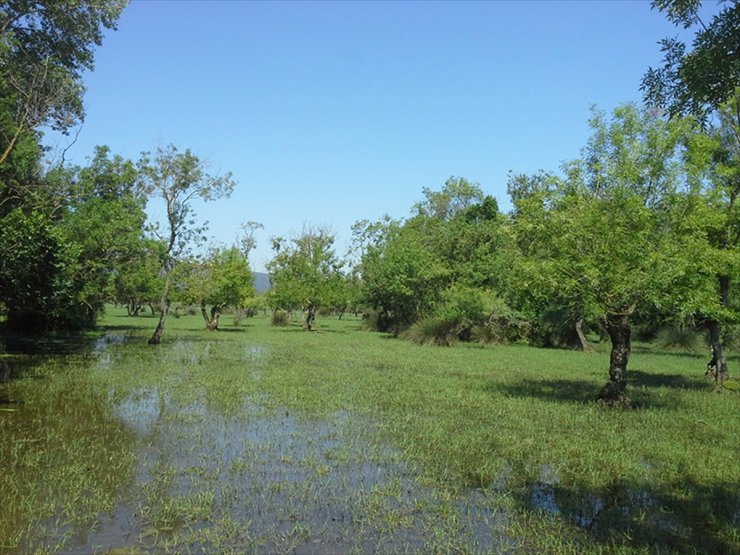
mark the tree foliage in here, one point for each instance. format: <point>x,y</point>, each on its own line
<point>45,46</point>
<point>696,81</point>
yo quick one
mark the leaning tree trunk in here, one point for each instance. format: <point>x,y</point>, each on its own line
<point>585,345</point>
<point>164,307</point>
<point>618,327</point>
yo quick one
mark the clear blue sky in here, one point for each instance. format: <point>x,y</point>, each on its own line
<point>333,112</point>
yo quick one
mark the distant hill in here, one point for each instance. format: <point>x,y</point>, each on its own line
<point>261,282</point>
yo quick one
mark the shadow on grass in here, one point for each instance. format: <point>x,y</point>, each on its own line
<point>641,389</point>
<point>561,391</point>
<point>685,517</point>
<point>677,381</point>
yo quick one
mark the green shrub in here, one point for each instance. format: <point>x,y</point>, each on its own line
<point>280,318</point>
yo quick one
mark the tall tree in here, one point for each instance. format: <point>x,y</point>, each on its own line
<point>177,178</point>
<point>601,236</point>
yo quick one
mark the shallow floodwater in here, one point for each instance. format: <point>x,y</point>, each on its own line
<point>184,476</point>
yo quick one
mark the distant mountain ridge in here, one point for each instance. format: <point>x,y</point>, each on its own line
<point>261,282</point>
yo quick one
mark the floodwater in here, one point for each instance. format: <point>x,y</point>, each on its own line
<point>147,469</point>
<point>256,479</point>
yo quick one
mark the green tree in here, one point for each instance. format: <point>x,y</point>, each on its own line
<point>601,237</point>
<point>36,271</point>
<point>303,272</point>
<point>223,279</point>
<point>92,219</point>
<point>177,178</point>
<point>705,82</point>
<point>709,219</point>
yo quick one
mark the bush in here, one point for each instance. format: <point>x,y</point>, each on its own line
<point>433,330</point>
<point>280,318</point>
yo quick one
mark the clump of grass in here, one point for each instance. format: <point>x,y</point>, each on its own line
<point>280,318</point>
<point>679,339</point>
<point>433,330</point>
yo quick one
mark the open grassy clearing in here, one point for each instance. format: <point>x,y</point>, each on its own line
<point>264,439</point>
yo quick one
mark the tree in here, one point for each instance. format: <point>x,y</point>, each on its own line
<point>602,237</point>
<point>303,271</point>
<point>222,279</point>
<point>457,195</point>
<point>710,222</point>
<point>177,178</point>
<point>45,46</point>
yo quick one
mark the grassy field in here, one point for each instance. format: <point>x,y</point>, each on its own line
<point>264,439</point>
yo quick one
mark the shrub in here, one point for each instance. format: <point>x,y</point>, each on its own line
<point>280,318</point>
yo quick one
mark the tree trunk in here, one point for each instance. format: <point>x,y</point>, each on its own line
<point>310,317</point>
<point>585,345</point>
<point>717,367</point>
<point>618,327</point>
<point>212,320</point>
<point>164,307</point>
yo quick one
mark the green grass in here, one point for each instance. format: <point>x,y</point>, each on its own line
<point>262,439</point>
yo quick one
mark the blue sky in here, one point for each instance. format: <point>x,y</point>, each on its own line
<point>328,113</point>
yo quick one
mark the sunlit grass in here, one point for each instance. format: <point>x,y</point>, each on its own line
<point>261,439</point>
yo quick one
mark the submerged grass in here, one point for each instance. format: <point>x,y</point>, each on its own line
<point>265,439</point>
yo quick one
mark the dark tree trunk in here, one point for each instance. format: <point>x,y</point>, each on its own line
<point>310,316</point>
<point>585,345</point>
<point>618,327</point>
